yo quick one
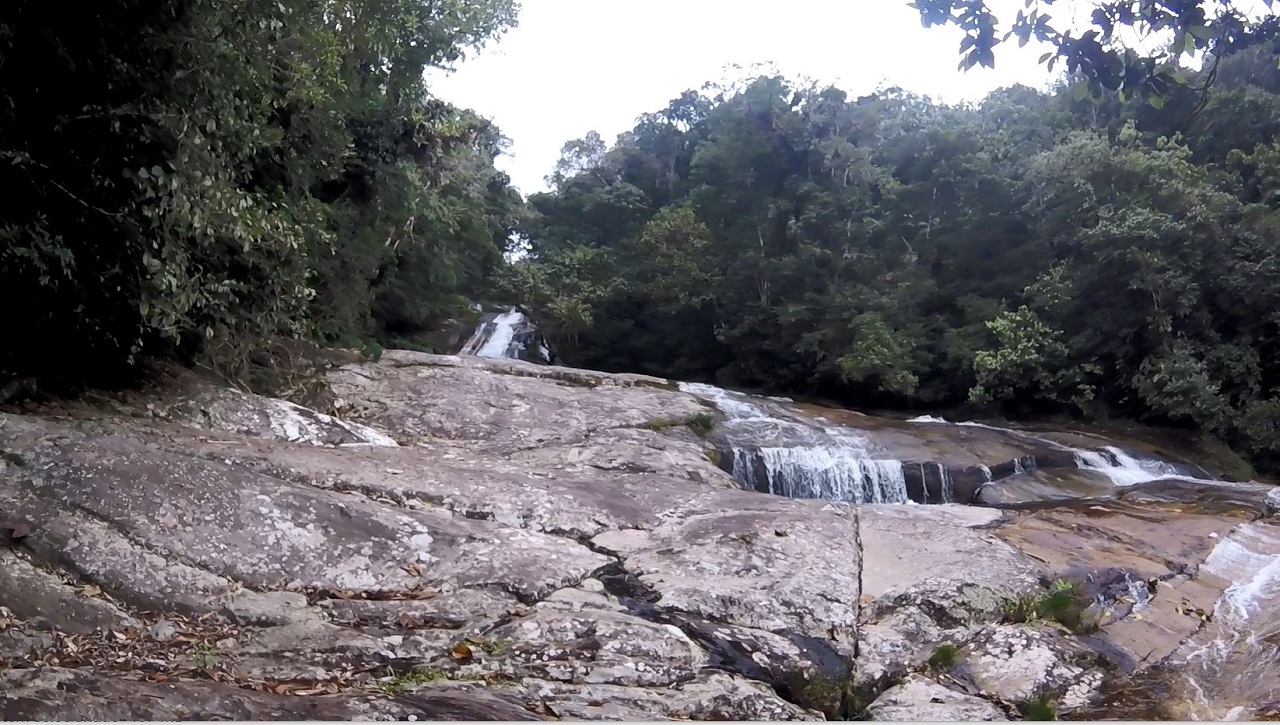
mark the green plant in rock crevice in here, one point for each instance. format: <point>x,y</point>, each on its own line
<point>701,423</point>
<point>944,657</point>
<point>1064,603</point>
<point>1040,707</point>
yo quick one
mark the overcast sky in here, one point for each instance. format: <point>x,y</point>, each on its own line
<point>574,66</point>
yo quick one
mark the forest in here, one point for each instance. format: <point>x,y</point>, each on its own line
<point>183,184</point>
<point>1053,253</point>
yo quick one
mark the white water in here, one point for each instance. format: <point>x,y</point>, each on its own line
<point>1125,470</point>
<point>1235,659</point>
<point>494,339</point>
<point>757,422</point>
<point>948,486</point>
<point>1120,467</point>
<point>827,473</point>
<point>801,459</point>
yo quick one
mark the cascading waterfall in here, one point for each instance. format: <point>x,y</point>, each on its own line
<point>807,461</point>
<point>1235,657</point>
<point>1114,463</point>
<point>502,337</point>
<point>1123,469</point>
<point>948,492</point>
<point>826,473</point>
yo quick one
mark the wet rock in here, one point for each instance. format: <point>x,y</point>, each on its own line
<point>1146,542</point>
<point>1272,502</point>
<point>1241,498</point>
<point>919,699</point>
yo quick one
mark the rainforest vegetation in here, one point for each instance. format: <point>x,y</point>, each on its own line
<point>1037,253</point>
<point>202,179</point>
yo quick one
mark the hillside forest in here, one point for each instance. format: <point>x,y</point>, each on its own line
<point>214,188</point>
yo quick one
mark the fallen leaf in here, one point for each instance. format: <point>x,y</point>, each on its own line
<point>461,652</point>
<point>424,593</point>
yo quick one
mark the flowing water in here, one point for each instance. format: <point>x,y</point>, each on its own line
<point>1117,465</point>
<point>497,337</point>
<point>783,454</point>
<point>777,449</point>
<point>1236,657</point>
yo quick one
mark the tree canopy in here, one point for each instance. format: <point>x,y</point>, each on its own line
<point>1032,254</point>
<point>199,176</point>
<point>1098,56</point>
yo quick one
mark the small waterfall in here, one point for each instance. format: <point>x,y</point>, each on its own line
<point>497,338</point>
<point>778,453</point>
<point>948,493</point>
<point>1114,463</point>
<point>986,471</point>
<point>1123,469</point>
<point>825,473</point>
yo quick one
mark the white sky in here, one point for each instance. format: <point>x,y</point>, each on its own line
<point>574,66</point>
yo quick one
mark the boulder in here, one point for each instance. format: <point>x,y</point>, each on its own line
<point>919,699</point>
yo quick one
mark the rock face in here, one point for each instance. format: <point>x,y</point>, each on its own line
<point>463,538</point>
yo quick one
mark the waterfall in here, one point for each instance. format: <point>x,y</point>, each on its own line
<point>1120,467</point>
<point>948,492</point>
<point>1125,470</point>
<point>1236,656</point>
<point>826,473</point>
<point>777,453</point>
<point>497,337</point>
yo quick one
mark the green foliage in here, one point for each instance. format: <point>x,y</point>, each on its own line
<point>1041,707</point>
<point>1097,55</point>
<point>1033,254</point>
<point>701,423</point>
<point>213,176</point>
<point>411,680</point>
<point>1064,603</point>
<point>838,698</point>
<point>944,657</point>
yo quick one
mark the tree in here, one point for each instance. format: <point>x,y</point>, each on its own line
<point>213,176</point>
<point>1097,56</point>
<point>1034,253</point>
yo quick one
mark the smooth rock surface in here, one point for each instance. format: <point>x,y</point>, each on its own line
<point>457,538</point>
<point>919,699</point>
